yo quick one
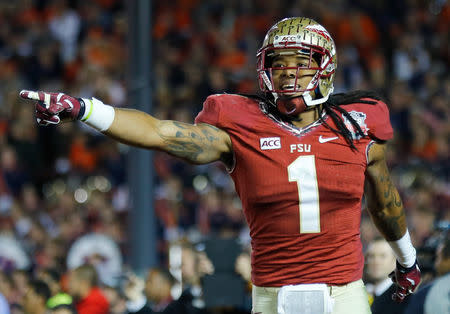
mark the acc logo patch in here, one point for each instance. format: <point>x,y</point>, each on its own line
<point>270,143</point>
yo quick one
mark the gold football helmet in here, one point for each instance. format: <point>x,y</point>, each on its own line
<point>308,38</point>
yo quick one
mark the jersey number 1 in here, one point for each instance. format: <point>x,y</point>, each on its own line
<point>303,171</point>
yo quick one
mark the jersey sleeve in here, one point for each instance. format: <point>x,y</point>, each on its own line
<point>379,123</point>
<point>210,113</point>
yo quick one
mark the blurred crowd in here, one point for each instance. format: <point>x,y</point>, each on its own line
<point>58,184</point>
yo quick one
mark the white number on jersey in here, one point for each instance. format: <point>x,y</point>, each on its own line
<point>303,171</point>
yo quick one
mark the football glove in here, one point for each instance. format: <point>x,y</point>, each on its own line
<point>52,108</point>
<point>406,281</point>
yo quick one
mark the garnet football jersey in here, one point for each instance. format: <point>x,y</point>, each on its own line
<point>301,189</point>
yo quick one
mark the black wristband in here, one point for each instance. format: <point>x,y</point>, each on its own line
<point>82,108</point>
<point>404,269</point>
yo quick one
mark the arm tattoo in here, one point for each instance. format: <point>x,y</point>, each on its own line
<point>390,193</point>
<point>392,227</point>
<point>386,207</point>
<point>188,142</point>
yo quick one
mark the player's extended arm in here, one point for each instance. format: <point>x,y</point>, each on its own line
<point>196,143</point>
<point>386,209</point>
<point>199,144</point>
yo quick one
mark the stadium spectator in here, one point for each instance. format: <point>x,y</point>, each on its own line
<point>435,296</point>
<point>63,309</point>
<point>52,278</point>
<point>36,298</point>
<point>158,287</point>
<point>14,175</point>
<point>116,299</point>
<point>137,301</point>
<point>296,66</point>
<point>194,265</point>
<point>65,26</point>
<point>21,280</point>
<point>380,262</point>
<point>7,288</point>
<point>83,287</point>
<point>243,267</point>
<point>152,296</point>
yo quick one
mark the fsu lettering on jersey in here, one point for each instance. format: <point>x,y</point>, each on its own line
<point>304,209</point>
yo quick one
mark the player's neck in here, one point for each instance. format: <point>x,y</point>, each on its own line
<point>307,117</point>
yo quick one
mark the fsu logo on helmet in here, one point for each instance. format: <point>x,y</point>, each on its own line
<point>319,29</point>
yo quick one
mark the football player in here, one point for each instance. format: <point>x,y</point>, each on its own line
<point>301,158</point>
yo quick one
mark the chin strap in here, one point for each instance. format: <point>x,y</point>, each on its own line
<point>296,105</point>
<point>291,106</point>
<point>309,101</point>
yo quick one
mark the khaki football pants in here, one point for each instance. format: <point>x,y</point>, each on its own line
<point>348,299</point>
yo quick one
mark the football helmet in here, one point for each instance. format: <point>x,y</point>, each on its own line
<point>308,38</point>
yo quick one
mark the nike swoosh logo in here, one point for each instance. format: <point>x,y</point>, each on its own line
<point>327,139</point>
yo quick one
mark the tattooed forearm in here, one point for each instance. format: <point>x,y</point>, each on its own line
<point>208,133</point>
<point>384,203</point>
<point>184,150</point>
<point>191,143</point>
<point>197,143</point>
<point>391,225</point>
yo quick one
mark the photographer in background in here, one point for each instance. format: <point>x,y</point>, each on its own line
<point>435,296</point>
<point>380,262</point>
<point>243,267</point>
<point>194,265</point>
<point>158,287</point>
<point>152,296</point>
<point>427,253</point>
